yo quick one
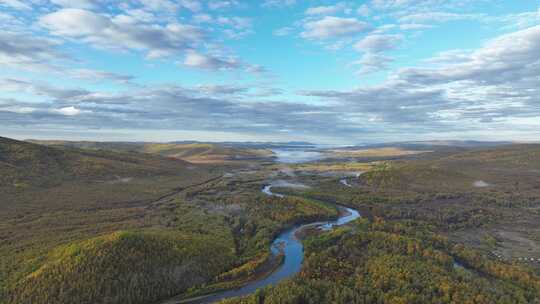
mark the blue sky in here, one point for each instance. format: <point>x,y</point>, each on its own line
<point>217,70</point>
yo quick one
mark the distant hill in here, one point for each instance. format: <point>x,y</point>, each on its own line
<point>82,224</point>
<point>270,145</point>
<point>24,163</point>
<point>195,152</point>
<point>252,144</point>
<point>76,221</point>
<point>439,144</point>
<point>501,167</point>
<point>205,152</point>
<point>461,143</point>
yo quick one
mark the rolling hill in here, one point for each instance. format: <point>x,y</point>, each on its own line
<point>472,170</point>
<point>100,226</point>
<point>61,196</point>
<point>23,163</point>
<point>193,152</point>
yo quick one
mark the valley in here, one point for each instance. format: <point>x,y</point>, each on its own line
<point>269,152</point>
<point>105,224</point>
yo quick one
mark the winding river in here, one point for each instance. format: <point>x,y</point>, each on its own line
<point>293,251</point>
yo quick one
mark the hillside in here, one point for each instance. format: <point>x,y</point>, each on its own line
<point>397,262</point>
<point>99,226</point>
<point>485,198</point>
<point>193,152</point>
<point>475,170</point>
<point>23,164</point>
<point>55,195</point>
<point>124,267</point>
<point>205,153</point>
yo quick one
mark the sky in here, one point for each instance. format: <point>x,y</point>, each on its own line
<point>337,72</point>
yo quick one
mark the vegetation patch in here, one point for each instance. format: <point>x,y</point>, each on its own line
<point>397,262</point>
<point>124,267</point>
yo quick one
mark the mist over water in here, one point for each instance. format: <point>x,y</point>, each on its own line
<point>296,155</point>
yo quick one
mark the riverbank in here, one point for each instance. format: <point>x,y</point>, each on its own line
<point>288,244</point>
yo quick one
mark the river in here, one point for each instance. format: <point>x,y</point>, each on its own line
<point>293,252</point>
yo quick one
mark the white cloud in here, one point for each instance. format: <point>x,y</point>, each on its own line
<point>169,6</point>
<point>18,109</point>
<point>373,45</point>
<point>363,10</point>
<point>451,56</point>
<point>239,23</point>
<point>424,17</point>
<point>414,26</point>
<point>256,69</point>
<point>284,31</point>
<point>122,32</point>
<point>83,4</point>
<point>11,23</point>
<point>221,4</point>
<point>26,52</point>
<point>179,108</point>
<point>222,89</point>
<point>372,63</point>
<point>160,5</point>
<point>96,75</point>
<point>16,4</point>
<point>202,18</point>
<point>75,22</point>
<point>517,21</point>
<point>333,27</point>
<point>30,53</point>
<point>326,10</point>
<point>378,43</point>
<point>494,85</point>
<point>68,111</point>
<point>511,58</point>
<point>208,62</point>
<point>398,4</point>
<point>278,3</point>
<point>192,5</point>
<point>140,15</point>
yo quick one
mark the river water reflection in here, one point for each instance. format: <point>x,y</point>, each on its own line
<point>293,252</point>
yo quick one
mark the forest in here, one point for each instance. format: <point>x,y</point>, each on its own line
<point>398,262</point>
<point>85,235</point>
<point>93,225</point>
